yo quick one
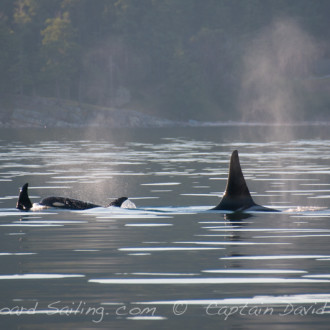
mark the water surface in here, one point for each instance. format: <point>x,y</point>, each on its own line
<point>170,263</point>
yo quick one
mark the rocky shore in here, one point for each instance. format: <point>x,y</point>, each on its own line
<point>45,112</point>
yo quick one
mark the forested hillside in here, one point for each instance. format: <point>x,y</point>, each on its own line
<point>200,59</point>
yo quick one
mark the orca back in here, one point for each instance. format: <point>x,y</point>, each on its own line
<point>67,203</point>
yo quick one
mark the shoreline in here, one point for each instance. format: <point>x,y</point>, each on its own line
<point>41,112</point>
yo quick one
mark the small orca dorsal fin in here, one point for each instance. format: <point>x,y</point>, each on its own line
<point>237,196</point>
<point>24,202</point>
<point>117,202</point>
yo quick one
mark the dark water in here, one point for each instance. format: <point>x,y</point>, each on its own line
<point>169,264</point>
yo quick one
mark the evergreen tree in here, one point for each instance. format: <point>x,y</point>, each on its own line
<point>59,52</point>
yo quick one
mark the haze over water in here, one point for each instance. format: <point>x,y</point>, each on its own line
<point>170,262</point>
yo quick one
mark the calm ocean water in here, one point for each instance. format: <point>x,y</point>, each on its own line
<point>170,263</point>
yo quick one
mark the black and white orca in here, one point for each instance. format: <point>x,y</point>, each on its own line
<point>24,202</point>
<point>237,197</point>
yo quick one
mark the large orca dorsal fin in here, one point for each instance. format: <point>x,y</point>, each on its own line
<point>24,202</point>
<point>237,196</point>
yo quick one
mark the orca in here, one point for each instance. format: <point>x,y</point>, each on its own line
<point>237,197</point>
<point>24,202</point>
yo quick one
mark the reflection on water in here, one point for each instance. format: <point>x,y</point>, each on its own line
<point>170,261</point>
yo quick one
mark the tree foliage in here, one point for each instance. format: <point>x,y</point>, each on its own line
<point>184,58</point>
<point>59,52</point>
